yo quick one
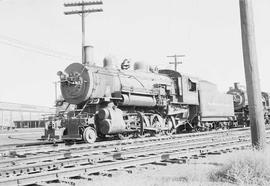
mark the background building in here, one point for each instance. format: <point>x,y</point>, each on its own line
<point>23,116</point>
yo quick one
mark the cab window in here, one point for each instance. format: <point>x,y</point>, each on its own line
<point>191,86</point>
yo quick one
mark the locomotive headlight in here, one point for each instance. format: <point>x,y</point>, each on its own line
<point>63,77</point>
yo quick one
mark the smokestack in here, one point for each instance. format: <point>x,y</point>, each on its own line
<point>89,55</point>
<point>236,85</point>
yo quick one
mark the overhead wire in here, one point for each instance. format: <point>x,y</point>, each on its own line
<point>31,45</point>
<point>6,40</point>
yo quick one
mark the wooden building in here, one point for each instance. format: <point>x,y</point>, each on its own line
<point>15,115</point>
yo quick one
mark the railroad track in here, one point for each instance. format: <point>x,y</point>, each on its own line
<point>22,150</point>
<point>85,163</point>
<point>54,155</point>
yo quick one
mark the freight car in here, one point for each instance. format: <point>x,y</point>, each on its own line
<point>241,104</point>
<point>139,102</point>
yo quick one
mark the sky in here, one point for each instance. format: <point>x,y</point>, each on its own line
<point>37,40</point>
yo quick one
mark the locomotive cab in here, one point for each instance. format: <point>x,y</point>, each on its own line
<point>186,87</point>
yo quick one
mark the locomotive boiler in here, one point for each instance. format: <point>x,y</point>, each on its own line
<point>137,102</point>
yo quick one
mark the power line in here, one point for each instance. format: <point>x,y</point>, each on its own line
<point>37,49</point>
<point>26,44</point>
<point>32,50</point>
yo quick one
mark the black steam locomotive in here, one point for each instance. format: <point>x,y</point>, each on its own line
<point>241,106</point>
<point>139,102</point>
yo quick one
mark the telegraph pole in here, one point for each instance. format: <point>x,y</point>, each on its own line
<point>83,13</point>
<point>175,60</point>
<point>55,90</point>
<point>83,33</point>
<point>252,75</point>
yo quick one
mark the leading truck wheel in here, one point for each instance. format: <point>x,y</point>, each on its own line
<point>89,135</point>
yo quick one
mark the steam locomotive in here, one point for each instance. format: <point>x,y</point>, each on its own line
<point>139,102</point>
<point>241,108</point>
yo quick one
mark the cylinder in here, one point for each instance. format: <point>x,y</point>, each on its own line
<point>113,122</point>
<point>105,126</point>
<point>89,55</point>
<point>108,126</point>
<point>236,85</point>
<point>103,113</point>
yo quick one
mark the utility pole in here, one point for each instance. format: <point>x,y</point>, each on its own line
<point>175,60</point>
<point>83,13</point>
<point>252,75</point>
<point>55,90</point>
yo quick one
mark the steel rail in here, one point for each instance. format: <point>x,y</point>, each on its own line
<point>16,171</point>
<point>101,157</point>
<point>45,143</point>
<point>37,149</point>
<point>120,162</point>
<point>80,152</point>
<point>105,157</point>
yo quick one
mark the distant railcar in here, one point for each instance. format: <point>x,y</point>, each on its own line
<point>240,102</point>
